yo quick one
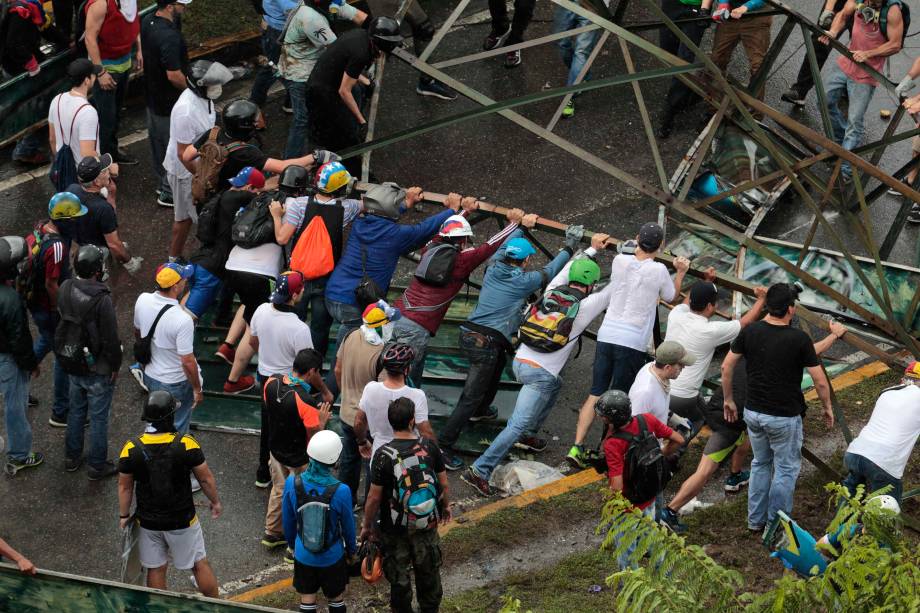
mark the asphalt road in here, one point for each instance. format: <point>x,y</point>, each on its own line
<point>66,523</point>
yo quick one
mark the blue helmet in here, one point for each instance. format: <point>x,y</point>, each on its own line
<point>519,249</point>
<point>65,205</point>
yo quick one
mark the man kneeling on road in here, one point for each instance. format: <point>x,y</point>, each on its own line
<point>158,462</point>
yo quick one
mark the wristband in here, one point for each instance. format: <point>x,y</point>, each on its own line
<point>124,516</point>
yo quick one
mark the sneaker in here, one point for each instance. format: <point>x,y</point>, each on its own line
<point>490,414</point>
<point>569,111</point>
<point>273,540</point>
<point>263,482</point>
<point>95,473</point>
<point>196,487</point>
<point>496,39</point>
<point>246,382</point>
<point>472,478</point>
<point>895,192</point>
<point>670,520</point>
<point>34,159</point>
<point>513,59</point>
<point>13,466</point>
<point>123,159</point>
<point>577,457</point>
<point>288,556</point>
<point>531,443</point>
<point>451,460</point>
<point>914,215</point>
<point>137,371</point>
<point>287,108</point>
<point>164,199</point>
<point>226,353</point>
<point>33,401</point>
<point>72,464</point>
<point>736,481</point>
<point>57,421</point>
<point>793,96</point>
<point>432,87</point>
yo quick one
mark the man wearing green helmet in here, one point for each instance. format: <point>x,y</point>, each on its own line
<point>536,367</point>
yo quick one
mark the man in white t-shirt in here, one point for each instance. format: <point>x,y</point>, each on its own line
<point>371,420</point>
<point>877,456</point>
<point>192,115</point>
<point>172,366</point>
<point>72,120</point>
<point>637,283</point>
<point>651,390</point>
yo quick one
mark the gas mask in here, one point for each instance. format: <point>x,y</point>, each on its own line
<point>868,12</point>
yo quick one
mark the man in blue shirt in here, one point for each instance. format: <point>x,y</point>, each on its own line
<point>327,569</point>
<point>486,336</point>
<point>274,15</point>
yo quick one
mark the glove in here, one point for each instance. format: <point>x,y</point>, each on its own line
<point>321,156</point>
<point>343,10</point>
<point>825,20</point>
<point>133,266</point>
<point>573,235</point>
<point>723,13</point>
<point>705,14</point>
<point>904,86</point>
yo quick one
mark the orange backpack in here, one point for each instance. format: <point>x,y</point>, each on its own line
<point>312,255</point>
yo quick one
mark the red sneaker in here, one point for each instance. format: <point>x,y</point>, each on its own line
<point>246,382</point>
<point>226,353</point>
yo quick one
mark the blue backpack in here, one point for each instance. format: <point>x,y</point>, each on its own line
<point>415,488</point>
<point>314,516</point>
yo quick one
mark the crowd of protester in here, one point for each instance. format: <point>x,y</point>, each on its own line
<point>302,252</point>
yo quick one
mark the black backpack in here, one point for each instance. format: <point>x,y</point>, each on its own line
<point>207,220</point>
<point>64,167</point>
<point>437,264</point>
<point>646,470</point>
<point>254,225</point>
<point>160,467</point>
<point>75,341</point>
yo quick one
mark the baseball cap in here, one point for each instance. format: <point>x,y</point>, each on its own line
<point>82,68</point>
<point>287,285</point>
<point>913,371</point>
<point>672,352</point>
<point>780,297</point>
<point>702,294</point>
<point>171,273</point>
<point>650,237</point>
<point>248,176</point>
<point>91,167</point>
<point>519,249</point>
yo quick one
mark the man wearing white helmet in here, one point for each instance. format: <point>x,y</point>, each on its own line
<point>877,456</point>
<point>319,525</point>
<point>447,262</point>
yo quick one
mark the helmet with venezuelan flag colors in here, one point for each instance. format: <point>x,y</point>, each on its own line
<point>331,177</point>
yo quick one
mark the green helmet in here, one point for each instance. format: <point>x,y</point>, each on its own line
<point>584,271</point>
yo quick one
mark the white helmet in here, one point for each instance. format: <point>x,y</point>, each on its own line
<point>325,446</point>
<point>886,503</point>
<point>455,226</point>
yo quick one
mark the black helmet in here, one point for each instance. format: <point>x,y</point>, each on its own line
<point>13,249</point>
<point>615,406</point>
<point>90,261</point>
<point>240,119</point>
<point>159,406</point>
<point>385,34</point>
<point>294,179</point>
<point>397,357</point>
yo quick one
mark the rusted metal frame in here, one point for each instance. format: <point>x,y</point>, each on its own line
<point>839,417</point>
<point>893,124</point>
<point>758,134</point>
<point>776,47</point>
<point>643,111</point>
<point>818,81</point>
<point>897,226</point>
<point>814,224</point>
<point>870,240</point>
<point>557,114</point>
<point>644,26</point>
<point>703,149</point>
<point>911,313</point>
<point>443,30</point>
<point>898,174</point>
<point>482,55</point>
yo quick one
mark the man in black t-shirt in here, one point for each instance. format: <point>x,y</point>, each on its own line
<point>159,463</point>
<point>776,353</point>
<point>404,549</point>
<point>165,67</point>
<point>336,120</point>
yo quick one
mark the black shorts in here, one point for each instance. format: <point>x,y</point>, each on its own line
<point>254,290</point>
<point>331,579</point>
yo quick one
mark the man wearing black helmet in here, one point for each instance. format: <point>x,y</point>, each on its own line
<point>17,360</point>
<point>158,463</point>
<point>88,300</point>
<point>336,120</point>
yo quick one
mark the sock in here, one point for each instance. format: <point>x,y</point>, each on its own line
<point>307,608</point>
<point>337,607</point>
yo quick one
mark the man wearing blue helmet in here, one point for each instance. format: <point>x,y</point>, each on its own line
<point>486,336</point>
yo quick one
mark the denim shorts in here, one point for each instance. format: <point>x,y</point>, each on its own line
<point>615,367</point>
<point>205,288</point>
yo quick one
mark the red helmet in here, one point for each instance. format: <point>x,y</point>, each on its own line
<point>371,562</point>
<point>397,357</point>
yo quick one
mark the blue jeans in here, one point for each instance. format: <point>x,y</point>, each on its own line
<point>348,317</point>
<point>205,288</point>
<point>863,471</point>
<point>300,125</point>
<point>90,394</point>
<point>848,134</point>
<point>184,396</point>
<point>108,103</point>
<point>158,135</point>
<point>314,302</point>
<point>575,50</point>
<point>46,322</point>
<point>777,446</point>
<point>407,331</point>
<point>615,367</point>
<point>266,76</point>
<point>14,387</point>
<point>534,402</point>
<point>351,464</point>
<point>623,560</point>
